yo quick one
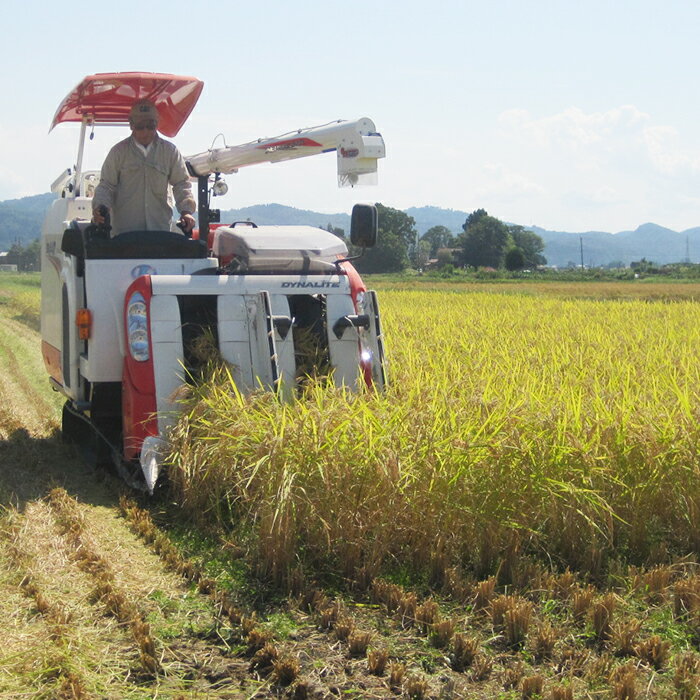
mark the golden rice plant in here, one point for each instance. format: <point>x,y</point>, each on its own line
<point>567,426</point>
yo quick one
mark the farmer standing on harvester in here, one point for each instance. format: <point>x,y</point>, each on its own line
<point>136,176</point>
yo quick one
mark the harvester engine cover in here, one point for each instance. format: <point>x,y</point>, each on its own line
<point>279,249</point>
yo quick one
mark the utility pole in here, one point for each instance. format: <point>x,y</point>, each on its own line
<point>580,240</point>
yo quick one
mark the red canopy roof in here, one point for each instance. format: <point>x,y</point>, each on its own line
<point>108,97</point>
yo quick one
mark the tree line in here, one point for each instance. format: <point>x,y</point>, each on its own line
<point>484,242</point>
<point>26,257</point>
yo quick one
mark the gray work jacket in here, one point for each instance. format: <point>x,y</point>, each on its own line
<point>135,186</point>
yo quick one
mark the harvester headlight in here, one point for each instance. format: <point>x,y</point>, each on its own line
<point>219,188</point>
<point>137,325</point>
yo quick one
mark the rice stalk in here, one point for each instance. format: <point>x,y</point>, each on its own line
<point>540,424</point>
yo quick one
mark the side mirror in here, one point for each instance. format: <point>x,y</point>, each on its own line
<point>363,225</point>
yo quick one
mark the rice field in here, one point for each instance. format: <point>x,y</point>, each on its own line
<point>522,424</point>
<point>423,535</point>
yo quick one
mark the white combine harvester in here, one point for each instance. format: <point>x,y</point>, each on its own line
<point>121,316</point>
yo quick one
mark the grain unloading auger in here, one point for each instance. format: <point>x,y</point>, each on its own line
<point>122,316</point>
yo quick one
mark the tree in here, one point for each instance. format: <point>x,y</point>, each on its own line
<point>32,256</point>
<point>484,240</point>
<point>438,237</point>
<point>397,235</point>
<point>445,257</point>
<point>530,244</point>
<point>474,218</point>
<point>27,258</point>
<point>422,254</point>
<point>515,259</point>
<point>335,230</point>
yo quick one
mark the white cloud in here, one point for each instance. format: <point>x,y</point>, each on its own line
<point>500,181</point>
<point>606,169</point>
<point>514,118</point>
<point>614,140</point>
<point>667,154</point>
<point>573,128</point>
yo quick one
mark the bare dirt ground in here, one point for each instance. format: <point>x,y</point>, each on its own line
<point>98,602</point>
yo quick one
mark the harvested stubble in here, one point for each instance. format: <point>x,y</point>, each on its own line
<point>686,678</point>
<point>417,687</point>
<point>481,668</point>
<point>464,651</point>
<point>623,636</point>
<point>512,423</point>
<point>441,633</point>
<point>259,641</point>
<point>543,641</point>
<point>686,596</point>
<point>397,671</point>
<point>376,661</point>
<point>71,520</point>
<point>561,692</point>
<point>511,615</point>
<point>624,684</point>
<point>602,614</point>
<point>55,655</point>
<point>654,651</point>
<point>264,659</point>
<point>531,687</point>
<point>358,642</point>
<point>286,670</point>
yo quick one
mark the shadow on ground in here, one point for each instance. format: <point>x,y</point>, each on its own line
<point>30,467</point>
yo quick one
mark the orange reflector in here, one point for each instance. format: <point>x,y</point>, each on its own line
<point>83,319</point>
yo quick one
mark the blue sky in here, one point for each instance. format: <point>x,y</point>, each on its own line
<point>567,115</point>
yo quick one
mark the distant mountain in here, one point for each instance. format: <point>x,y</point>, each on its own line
<point>427,217</point>
<point>278,214</point>
<point>20,220</point>
<point>651,241</point>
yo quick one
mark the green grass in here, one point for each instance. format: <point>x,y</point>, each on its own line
<point>19,296</point>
